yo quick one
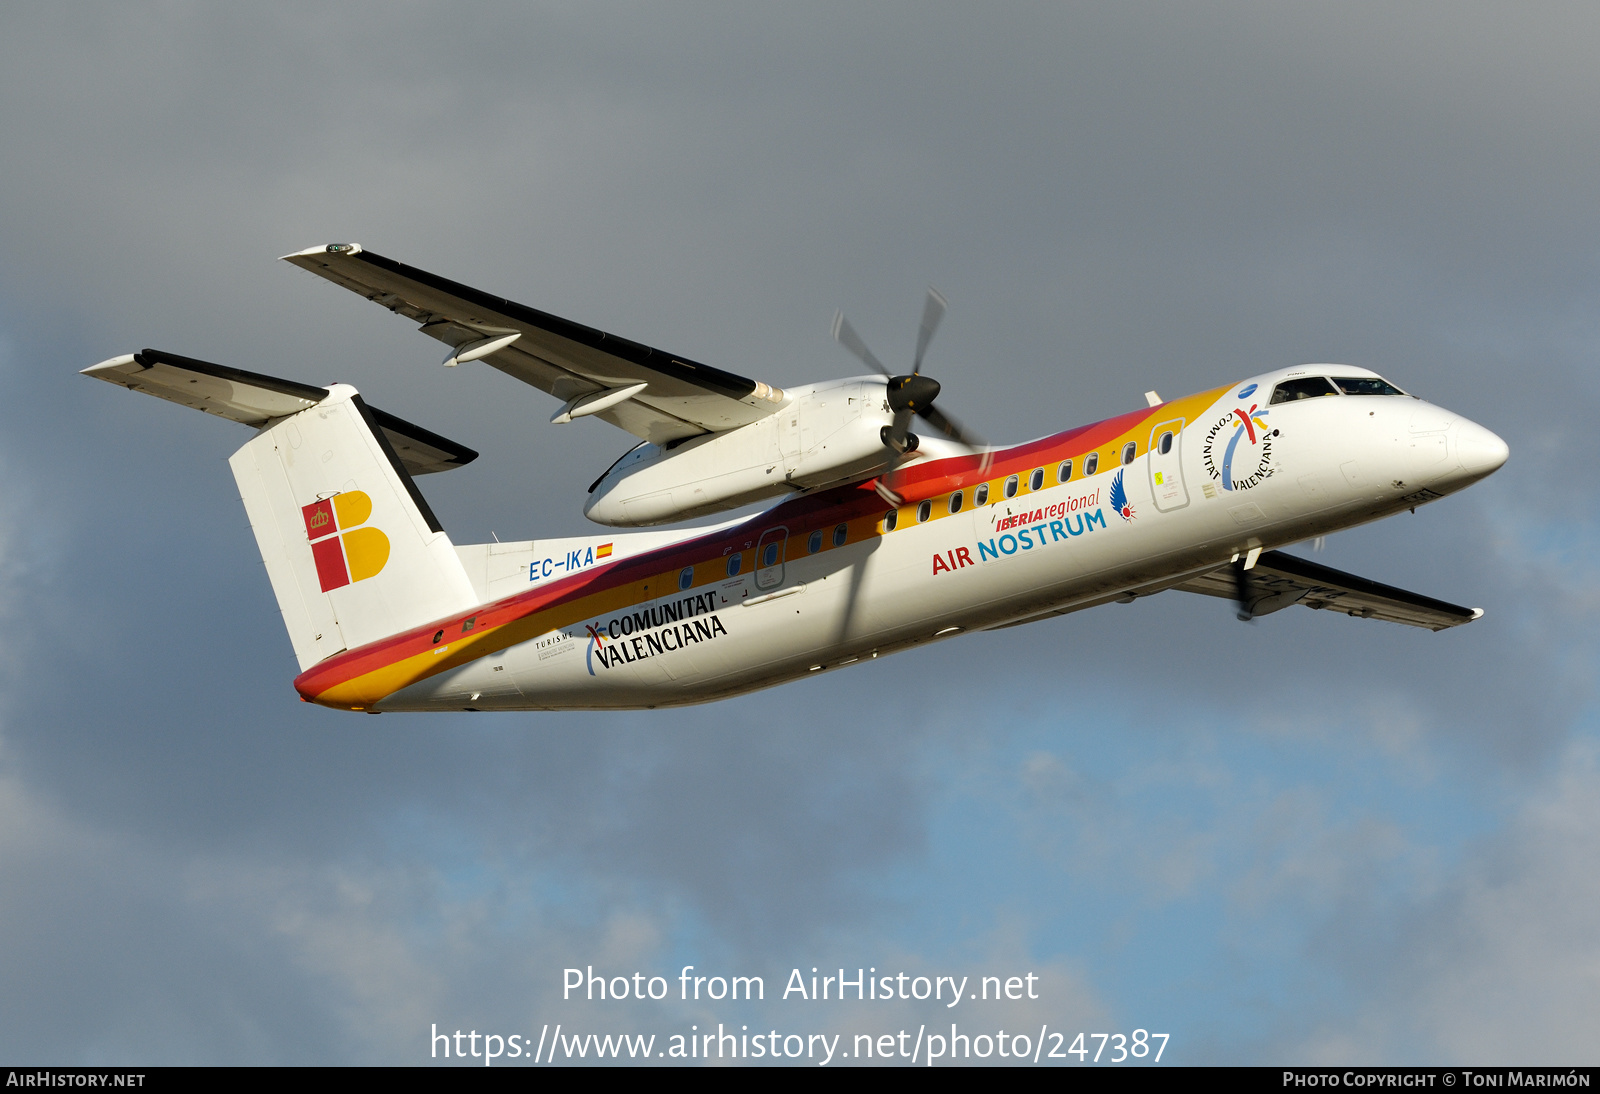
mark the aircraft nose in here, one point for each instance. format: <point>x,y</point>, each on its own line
<point>1479,451</point>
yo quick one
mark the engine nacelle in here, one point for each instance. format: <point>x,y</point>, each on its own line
<point>823,434</point>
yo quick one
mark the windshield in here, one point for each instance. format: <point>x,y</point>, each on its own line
<point>1366,385</point>
<point>1307,387</point>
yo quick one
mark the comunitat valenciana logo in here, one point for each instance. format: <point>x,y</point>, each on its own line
<point>344,551</point>
<point>1240,467</point>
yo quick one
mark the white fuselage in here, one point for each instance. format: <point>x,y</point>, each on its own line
<point>1306,468</point>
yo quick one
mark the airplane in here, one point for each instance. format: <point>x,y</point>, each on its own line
<point>881,539</point>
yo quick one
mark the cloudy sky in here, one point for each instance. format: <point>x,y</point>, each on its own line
<point>1305,839</point>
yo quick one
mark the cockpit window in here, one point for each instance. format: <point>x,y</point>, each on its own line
<point>1307,387</point>
<point>1366,385</point>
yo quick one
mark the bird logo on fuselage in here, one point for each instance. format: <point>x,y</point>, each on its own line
<point>1119,497</point>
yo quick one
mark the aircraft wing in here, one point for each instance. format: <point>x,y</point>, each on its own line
<point>1278,580</point>
<point>254,400</point>
<point>679,397</point>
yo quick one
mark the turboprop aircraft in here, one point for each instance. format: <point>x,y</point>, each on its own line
<point>883,539</point>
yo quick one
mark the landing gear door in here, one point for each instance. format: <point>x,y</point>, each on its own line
<point>1166,466</point>
<point>769,557</point>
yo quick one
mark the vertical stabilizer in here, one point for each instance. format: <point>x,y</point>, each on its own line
<point>352,549</point>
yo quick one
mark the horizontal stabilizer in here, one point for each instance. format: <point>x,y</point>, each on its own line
<point>421,451</point>
<point>255,400</point>
<point>1278,580</point>
<point>232,393</point>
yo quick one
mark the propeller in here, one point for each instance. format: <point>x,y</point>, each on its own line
<point>910,395</point>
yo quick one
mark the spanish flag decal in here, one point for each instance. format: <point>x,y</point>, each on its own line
<point>343,550</point>
<point>603,551</point>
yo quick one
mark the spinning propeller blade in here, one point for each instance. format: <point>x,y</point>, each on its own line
<point>950,427</point>
<point>933,310</point>
<point>846,336</point>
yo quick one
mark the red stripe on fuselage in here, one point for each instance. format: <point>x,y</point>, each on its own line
<point>802,515</point>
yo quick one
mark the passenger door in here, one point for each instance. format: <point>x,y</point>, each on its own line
<point>1166,466</point>
<point>769,557</point>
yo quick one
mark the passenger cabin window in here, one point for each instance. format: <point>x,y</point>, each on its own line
<point>814,542</point>
<point>1036,480</point>
<point>769,555</point>
<point>980,496</point>
<point>1011,487</point>
<point>686,577</point>
<point>924,511</point>
<point>1164,445</point>
<point>1091,463</point>
<point>1366,385</point>
<point>890,519</point>
<point>734,562</point>
<point>1129,450</point>
<point>955,502</point>
<point>1064,472</point>
<point>1307,387</point>
<point>840,533</point>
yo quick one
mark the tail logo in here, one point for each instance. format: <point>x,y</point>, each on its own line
<point>343,549</point>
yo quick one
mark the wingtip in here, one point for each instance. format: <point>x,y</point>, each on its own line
<point>324,249</point>
<point>110,364</point>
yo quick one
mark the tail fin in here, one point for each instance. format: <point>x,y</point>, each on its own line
<point>352,549</point>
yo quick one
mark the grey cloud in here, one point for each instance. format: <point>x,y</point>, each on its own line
<point>1496,961</point>
<point>1114,200</point>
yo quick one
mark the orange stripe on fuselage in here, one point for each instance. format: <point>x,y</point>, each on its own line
<point>358,679</point>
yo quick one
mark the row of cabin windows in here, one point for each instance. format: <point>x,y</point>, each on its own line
<point>980,495</point>
<point>1036,482</point>
<point>770,553</point>
<point>841,532</point>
